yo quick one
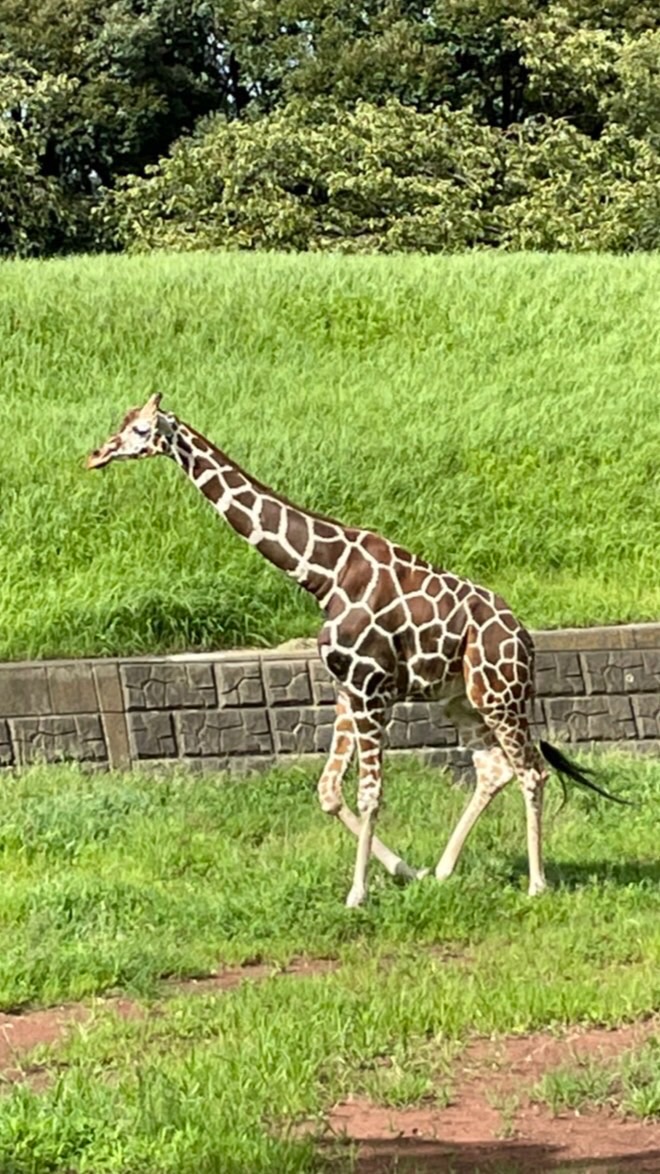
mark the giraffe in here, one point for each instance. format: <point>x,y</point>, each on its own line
<point>395,627</point>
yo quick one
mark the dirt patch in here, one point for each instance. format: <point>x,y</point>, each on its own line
<point>491,1125</point>
<point>530,1056</point>
<point>467,1136</point>
<point>552,1145</point>
<point>22,1032</point>
<point>233,976</point>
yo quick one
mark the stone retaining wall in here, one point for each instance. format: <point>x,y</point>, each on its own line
<point>597,686</point>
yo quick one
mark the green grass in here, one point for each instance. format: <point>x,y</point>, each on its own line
<point>499,415</point>
<point>630,1083</point>
<point>112,883</point>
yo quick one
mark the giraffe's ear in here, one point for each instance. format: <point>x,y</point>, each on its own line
<point>153,403</point>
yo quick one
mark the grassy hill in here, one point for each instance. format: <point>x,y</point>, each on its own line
<point>498,414</point>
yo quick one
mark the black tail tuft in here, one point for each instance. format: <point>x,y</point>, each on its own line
<point>578,774</point>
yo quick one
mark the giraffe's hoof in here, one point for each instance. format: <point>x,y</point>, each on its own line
<point>442,872</point>
<point>355,898</point>
<point>536,888</point>
<point>405,873</point>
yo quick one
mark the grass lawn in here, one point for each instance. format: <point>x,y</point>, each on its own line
<point>497,414</point>
<point>112,883</point>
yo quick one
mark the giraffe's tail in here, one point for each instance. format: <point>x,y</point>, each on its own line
<point>565,767</point>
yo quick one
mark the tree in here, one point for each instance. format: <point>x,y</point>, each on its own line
<point>32,207</point>
<point>561,98</point>
<point>135,76</point>
<point>314,176</point>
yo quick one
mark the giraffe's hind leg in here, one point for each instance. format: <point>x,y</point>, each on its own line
<point>499,686</point>
<point>511,729</point>
<point>330,790</point>
<point>493,773</point>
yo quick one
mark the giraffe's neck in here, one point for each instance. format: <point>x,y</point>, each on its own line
<point>306,547</point>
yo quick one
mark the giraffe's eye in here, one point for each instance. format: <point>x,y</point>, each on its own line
<point>142,430</point>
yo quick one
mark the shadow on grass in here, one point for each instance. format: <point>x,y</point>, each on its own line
<point>413,1156</point>
<point>578,874</point>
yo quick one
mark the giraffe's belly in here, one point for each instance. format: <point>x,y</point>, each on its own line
<point>429,682</point>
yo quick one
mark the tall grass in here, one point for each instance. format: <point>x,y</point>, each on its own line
<point>499,415</point>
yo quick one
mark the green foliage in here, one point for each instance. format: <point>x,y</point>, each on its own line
<point>565,191</point>
<point>552,142</point>
<point>390,179</point>
<point>421,54</point>
<point>313,176</point>
<point>33,208</point>
<point>110,86</point>
<point>479,409</point>
<point>359,126</point>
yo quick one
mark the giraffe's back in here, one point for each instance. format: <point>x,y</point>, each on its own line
<point>399,625</point>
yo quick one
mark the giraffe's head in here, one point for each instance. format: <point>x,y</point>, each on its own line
<point>144,432</point>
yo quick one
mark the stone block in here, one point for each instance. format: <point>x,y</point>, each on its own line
<point>646,635</point>
<point>151,735</point>
<point>108,687</point>
<point>558,674</point>
<point>590,719</point>
<point>303,729</point>
<point>55,739</point>
<point>649,747</point>
<point>224,732</point>
<point>234,765</point>
<point>582,639</point>
<point>72,688</point>
<point>646,708</point>
<point>537,715</point>
<point>169,686</point>
<point>6,748</point>
<point>287,682</point>
<point>113,716</point>
<point>622,671</point>
<point>419,723</point>
<point>240,683</point>
<point>115,730</point>
<point>24,691</point>
<point>324,689</point>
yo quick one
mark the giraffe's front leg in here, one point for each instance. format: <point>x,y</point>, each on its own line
<point>330,791</point>
<point>369,724</point>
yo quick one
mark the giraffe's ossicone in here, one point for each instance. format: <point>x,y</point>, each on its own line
<point>395,627</point>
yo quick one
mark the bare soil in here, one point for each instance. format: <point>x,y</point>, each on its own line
<point>492,1125</point>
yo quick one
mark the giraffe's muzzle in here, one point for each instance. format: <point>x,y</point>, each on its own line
<point>100,457</point>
